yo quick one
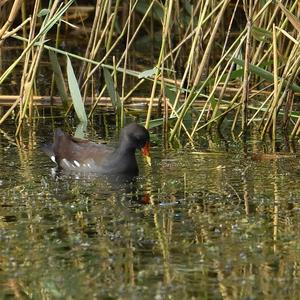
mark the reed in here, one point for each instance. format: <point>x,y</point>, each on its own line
<point>239,58</point>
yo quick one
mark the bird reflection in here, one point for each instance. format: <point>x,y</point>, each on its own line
<point>125,187</point>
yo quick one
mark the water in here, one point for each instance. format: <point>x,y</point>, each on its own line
<point>202,223</point>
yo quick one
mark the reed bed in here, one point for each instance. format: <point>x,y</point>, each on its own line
<point>239,59</point>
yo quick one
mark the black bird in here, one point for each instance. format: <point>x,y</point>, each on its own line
<point>75,154</point>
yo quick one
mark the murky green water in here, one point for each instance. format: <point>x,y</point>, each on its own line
<point>202,223</point>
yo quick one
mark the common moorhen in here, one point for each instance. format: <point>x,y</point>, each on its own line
<point>75,154</point>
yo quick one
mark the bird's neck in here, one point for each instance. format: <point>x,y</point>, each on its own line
<point>125,147</point>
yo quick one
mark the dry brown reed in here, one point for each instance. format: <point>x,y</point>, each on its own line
<point>227,54</point>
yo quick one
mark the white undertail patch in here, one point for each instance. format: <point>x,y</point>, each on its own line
<point>53,158</point>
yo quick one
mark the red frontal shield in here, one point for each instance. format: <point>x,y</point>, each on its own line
<point>146,152</point>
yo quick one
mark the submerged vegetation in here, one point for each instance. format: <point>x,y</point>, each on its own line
<point>200,62</point>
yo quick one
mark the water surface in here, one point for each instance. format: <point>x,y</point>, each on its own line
<point>208,222</point>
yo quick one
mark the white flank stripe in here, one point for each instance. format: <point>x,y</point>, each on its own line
<point>77,163</point>
<point>66,162</point>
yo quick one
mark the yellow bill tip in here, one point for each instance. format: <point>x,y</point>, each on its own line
<point>148,159</point>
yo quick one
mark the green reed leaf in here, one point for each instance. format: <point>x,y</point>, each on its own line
<point>75,93</point>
